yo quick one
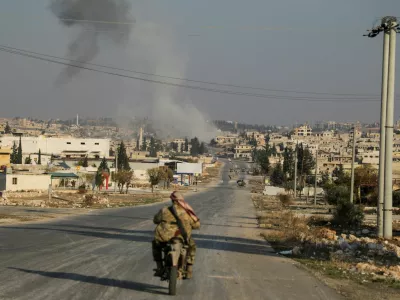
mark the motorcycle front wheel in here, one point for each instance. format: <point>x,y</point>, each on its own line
<point>173,276</point>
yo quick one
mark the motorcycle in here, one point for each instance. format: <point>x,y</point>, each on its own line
<point>174,263</point>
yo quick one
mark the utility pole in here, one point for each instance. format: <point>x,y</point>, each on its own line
<point>385,67</point>
<point>352,165</point>
<point>116,170</point>
<point>295,174</point>
<point>387,211</point>
<point>390,28</point>
<point>315,180</point>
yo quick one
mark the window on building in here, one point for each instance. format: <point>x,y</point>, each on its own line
<point>97,156</point>
<point>96,143</point>
<point>83,143</point>
<point>14,180</point>
<point>68,143</point>
<point>68,156</point>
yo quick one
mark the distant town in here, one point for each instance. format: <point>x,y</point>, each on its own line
<point>31,149</point>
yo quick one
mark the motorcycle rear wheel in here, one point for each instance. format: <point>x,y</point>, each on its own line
<point>173,276</point>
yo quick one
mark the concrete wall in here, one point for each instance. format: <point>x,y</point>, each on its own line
<point>27,182</point>
<point>56,146</point>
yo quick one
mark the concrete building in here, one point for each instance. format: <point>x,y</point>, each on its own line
<point>230,139</point>
<point>304,130</point>
<point>67,147</point>
<point>5,156</point>
<point>24,182</point>
<point>243,151</point>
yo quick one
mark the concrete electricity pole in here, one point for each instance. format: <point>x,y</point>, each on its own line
<point>390,28</point>
<point>295,174</point>
<point>385,67</point>
<point>316,172</point>
<point>116,170</point>
<point>352,165</point>
<point>387,211</point>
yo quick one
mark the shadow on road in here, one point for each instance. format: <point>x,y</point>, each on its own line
<point>211,242</point>
<point>130,285</point>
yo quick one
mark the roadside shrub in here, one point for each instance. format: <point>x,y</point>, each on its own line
<point>348,215</point>
<point>396,199</point>
<point>337,194</point>
<point>82,189</point>
<point>88,200</point>
<point>285,199</point>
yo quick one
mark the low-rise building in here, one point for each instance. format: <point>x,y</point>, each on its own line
<point>24,182</point>
<point>66,147</point>
<point>5,154</point>
<point>243,151</point>
<point>304,130</point>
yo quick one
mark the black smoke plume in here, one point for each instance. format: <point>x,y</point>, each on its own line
<point>97,19</point>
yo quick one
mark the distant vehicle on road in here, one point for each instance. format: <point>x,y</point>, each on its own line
<point>241,183</point>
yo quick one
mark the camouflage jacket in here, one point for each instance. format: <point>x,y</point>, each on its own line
<point>167,227</point>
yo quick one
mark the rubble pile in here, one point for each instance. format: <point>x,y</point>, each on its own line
<point>367,255</point>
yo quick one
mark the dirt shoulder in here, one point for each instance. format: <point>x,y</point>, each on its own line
<point>354,263</point>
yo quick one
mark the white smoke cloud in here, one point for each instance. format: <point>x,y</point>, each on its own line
<point>155,50</point>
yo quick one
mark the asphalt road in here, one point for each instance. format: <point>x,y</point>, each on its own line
<point>106,254</point>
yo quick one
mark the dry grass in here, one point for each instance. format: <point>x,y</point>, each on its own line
<point>285,199</point>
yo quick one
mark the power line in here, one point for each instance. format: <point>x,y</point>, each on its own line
<point>271,97</point>
<point>361,96</point>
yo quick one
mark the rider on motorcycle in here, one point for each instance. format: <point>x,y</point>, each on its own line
<point>167,228</point>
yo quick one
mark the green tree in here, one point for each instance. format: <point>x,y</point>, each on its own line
<point>202,148</point>
<point>39,162</point>
<point>144,144</point>
<point>99,179</point>
<point>123,160</point>
<point>273,150</point>
<point>103,166</point>
<point>186,145</point>
<point>174,146</point>
<point>19,152</point>
<point>336,193</point>
<point>123,178</point>
<point>153,147</point>
<point>28,160</point>
<point>288,163</point>
<point>85,162</point>
<point>14,154</point>
<point>261,157</point>
<point>195,150</point>
<point>7,129</point>
<point>277,176</point>
<point>154,177</point>
<point>213,143</point>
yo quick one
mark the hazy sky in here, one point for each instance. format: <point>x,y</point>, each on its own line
<point>315,46</point>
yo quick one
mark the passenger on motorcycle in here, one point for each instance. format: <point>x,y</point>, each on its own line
<point>167,228</point>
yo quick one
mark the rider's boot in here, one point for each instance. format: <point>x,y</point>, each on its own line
<point>189,271</point>
<point>160,268</point>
